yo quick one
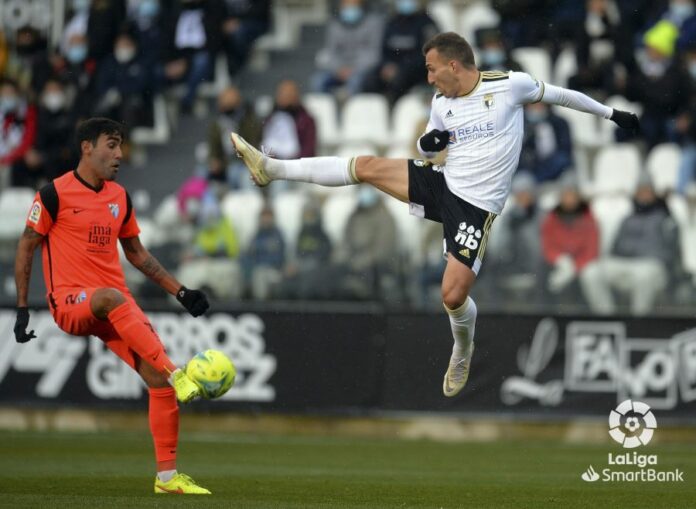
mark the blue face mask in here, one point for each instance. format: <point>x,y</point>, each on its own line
<point>680,12</point>
<point>351,14</point>
<point>77,54</point>
<point>80,5</point>
<point>406,7</point>
<point>493,56</point>
<point>535,116</point>
<point>367,197</point>
<point>148,9</point>
<point>8,104</point>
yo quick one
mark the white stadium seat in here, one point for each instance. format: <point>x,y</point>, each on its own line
<point>619,102</point>
<point>356,149</point>
<point>409,111</point>
<point>15,203</point>
<point>336,211</point>
<point>476,16</point>
<point>609,212</point>
<point>287,208</point>
<point>565,67</point>
<point>583,127</point>
<point>409,229</point>
<point>534,61</point>
<point>444,14</point>
<point>365,118</point>
<point>242,208</point>
<point>323,108</point>
<point>663,166</point>
<point>616,170</point>
<point>400,151</point>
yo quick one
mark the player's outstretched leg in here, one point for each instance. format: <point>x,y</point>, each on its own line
<point>388,175</point>
<point>461,309</point>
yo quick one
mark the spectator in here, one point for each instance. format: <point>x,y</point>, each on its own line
<point>18,132</point>
<point>121,88</point>
<point>370,245</point>
<point>244,22</point>
<point>80,72</point>
<point>514,251</point>
<point>645,256</point>
<point>289,132</point>
<point>546,148</point>
<point>523,22</point>
<point>311,274</point>
<point>493,53</point>
<point>352,49</point>
<point>234,115</point>
<point>657,83</point>
<point>144,22</point>
<point>54,151</point>
<point>266,256</point>
<point>570,244</point>
<point>601,43</point>
<point>685,125</point>
<point>401,66</point>
<point>104,21</point>
<point>29,65</point>
<point>76,23</point>
<point>429,292</point>
<point>212,261</point>
<point>193,38</point>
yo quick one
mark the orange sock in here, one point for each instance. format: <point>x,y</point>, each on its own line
<point>141,337</point>
<point>164,426</point>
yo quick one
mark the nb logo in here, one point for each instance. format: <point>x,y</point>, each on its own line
<point>468,236</point>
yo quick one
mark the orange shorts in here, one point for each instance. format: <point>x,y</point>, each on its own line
<point>72,312</point>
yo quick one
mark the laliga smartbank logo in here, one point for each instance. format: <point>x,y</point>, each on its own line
<point>632,424</point>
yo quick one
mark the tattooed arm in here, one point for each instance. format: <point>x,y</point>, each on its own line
<point>142,260</point>
<point>28,243</point>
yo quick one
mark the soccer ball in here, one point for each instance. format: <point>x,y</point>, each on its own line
<point>213,372</point>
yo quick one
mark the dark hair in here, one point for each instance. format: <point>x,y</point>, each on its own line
<point>91,129</point>
<point>453,47</point>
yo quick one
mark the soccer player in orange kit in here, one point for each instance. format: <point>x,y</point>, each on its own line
<point>77,220</point>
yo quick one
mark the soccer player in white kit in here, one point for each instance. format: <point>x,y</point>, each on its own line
<point>478,117</point>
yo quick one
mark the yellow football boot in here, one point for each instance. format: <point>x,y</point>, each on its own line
<point>180,484</point>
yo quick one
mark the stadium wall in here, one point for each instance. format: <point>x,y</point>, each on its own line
<point>371,361</point>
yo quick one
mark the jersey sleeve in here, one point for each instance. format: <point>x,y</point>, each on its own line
<point>130,227</point>
<point>525,89</point>
<point>44,210</point>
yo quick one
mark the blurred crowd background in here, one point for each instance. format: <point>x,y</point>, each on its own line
<point>599,221</point>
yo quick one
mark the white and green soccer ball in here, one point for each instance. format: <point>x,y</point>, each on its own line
<point>213,372</point>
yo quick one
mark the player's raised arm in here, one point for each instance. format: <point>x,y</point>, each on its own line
<point>194,301</point>
<point>28,243</point>
<point>527,90</point>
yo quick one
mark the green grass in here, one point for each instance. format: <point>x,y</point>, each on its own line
<point>73,471</point>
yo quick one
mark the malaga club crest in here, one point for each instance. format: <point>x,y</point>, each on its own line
<point>113,207</point>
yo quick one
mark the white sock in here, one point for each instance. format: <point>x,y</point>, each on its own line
<point>166,475</point>
<point>325,171</point>
<point>463,323</point>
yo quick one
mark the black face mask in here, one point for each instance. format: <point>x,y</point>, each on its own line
<point>24,50</point>
<point>229,112</point>
<point>194,4</point>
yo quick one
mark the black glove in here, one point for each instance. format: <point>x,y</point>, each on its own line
<point>434,141</point>
<point>194,301</point>
<point>626,120</point>
<point>20,328</point>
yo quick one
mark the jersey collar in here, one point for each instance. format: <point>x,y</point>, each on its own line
<point>478,82</point>
<point>85,183</point>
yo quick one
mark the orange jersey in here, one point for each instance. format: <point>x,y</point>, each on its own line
<point>81,227</point>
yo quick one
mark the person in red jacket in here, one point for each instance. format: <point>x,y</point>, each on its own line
<point>17,128</point>
<point>570,240</point>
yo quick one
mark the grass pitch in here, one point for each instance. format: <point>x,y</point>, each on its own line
<point>105,470</point>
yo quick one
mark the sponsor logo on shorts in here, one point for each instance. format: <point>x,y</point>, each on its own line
<point>469,237</point>
<point>35,212</point>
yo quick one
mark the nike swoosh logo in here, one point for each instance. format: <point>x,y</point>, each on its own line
<point>177,491</point>
<point>77,211</point>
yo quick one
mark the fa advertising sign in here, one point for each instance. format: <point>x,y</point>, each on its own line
<point>600,357</point>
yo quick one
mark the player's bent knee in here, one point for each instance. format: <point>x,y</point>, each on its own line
<point>454,297</point>
<point>104,300</point>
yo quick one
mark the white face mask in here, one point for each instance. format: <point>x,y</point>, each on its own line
<point>649,67</point>
<point>124,54</point>
<point>54,101</point>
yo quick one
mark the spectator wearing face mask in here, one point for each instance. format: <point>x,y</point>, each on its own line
<point>289,132</point>
<point>17,127</point>
<point>122,88</point>
<point>244,22</point>
<point>658,82</point>
<point>29,64</point>
<point>401,66</point>
<point>493,54</point>
<point>233,115</point>
<point>80,71</point>
<point>145,23</point>
<point>547,149</point>
<point>54,151</point>
<point>265,258</point>
<point>685,126</point>
<point>352,48</point>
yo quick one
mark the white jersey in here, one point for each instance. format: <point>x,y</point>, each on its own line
<point>486,127</point>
